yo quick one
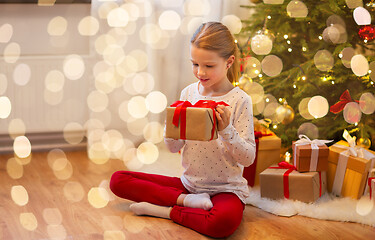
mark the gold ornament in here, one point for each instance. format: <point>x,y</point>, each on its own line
<point>285,113</point>
<point>364,142</point>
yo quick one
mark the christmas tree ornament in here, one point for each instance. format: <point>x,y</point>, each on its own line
<point>364,142</point>
<point>273,1</point>
<point>285,113</point>
<point>297,9</point>
<point>261,43</point>
<point>361,16</point>
<point>352,113</point>
<point>346,56</point>
<point>367,32</point>
<point>252,67</point>
<point>253,89</point>
<point>367,103</point>
<point>233,23</point>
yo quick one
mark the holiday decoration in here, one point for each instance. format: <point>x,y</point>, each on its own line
<point>361,16</point>
<point>310,155</point>
<point>261,43</point>
<point>283,181</point>
<point>192,122</point>
<point>268,153</point>
<point>322,55</point>
<point>367,32</point>
<point>364,142</point>
<point>285,113</point>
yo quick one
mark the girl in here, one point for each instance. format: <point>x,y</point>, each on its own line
<point>210,195</point>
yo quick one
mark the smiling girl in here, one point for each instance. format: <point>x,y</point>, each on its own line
<point>209,197</point>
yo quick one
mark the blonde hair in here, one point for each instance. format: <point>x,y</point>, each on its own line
<point>216,37</point>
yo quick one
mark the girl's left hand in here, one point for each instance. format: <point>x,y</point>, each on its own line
<point>223,117</point>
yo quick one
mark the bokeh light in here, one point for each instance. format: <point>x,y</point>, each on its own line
<point>346,56</point>
<point>254,90</point>
<point>352,113</point>
<point>323,60</point>
<point>22,146</point>
<point>95,197</point>
<point>359,65</point>
<point>156,102</point>
<point>147,153</point>
<point>354,3</point>
<point>105,8</point>
<point>270,111</point>
<point>12,52</point>
<point>97,101</point>
<point>56,232</point>
<point>272,65</point>
<point>130,159</point>
<point>150,33</point>
<point>113,54</point>
<point>367,103</point>
<point>112,223</point>
<point>54,81</point>
<point>98,154</point>
<point>73,133</point>
<point>19,195</point>
<point>3,83</point>
<point>137,107</point>
<point>261,44</point>
<point>169,20</point>
<point>113,235</point>
<point>233,23</point>
<point>304,109</point>
<point>22,74</point>
<point>308,129</point>
<point>197,7</point>
<point>118,17</point>
<point>52,216</point>
<point>5,107</point>
<point>73,191</point>
<point>6,32</point>
<point>88,26</point>
<point>318,106</point>
<point>364,206</point>
<point>28,221</point>
<point>136,125</point>
<point>134,224</point>
<point>14,168</point>
<point>153,132</point>
<point>132,10</point>
<point>57,26</point>
<point>362,16</point>
<point>74,67</point>
<point>112,140</point>
<point>297,9</point>
<point>53,98</point>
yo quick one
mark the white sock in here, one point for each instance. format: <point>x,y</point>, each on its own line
<point>201,200</point>
<point>145,208</point>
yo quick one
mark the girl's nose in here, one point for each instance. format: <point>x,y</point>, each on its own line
<point>200,72</point>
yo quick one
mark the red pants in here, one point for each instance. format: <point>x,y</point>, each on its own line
<point>220,221</point>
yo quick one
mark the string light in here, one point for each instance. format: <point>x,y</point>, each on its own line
<point>267,100</point>
<point>294,86</point>
<point>333,82</point>
<point>286,36</point>
<point>280,99</point>
<point>269,17</point>
<point>320,37</point>
<point>260,75</point>
<point>274,126</point>
<point>289,50</point>
<point>304,49</point>
<point>303,78</point>
<point>340,55</point>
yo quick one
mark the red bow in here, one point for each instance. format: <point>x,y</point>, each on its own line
<point>369,184</point>
<point>179,115</point>
<point>344,99</point>
<point>291,168</point>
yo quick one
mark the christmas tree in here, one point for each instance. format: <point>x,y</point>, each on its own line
<point>308,66</point>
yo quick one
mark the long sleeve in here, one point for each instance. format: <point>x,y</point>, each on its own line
<point>239,138</point>
<point>174,145</point>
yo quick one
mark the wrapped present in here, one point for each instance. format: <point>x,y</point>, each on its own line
<point>284,181</point>
<point>267,153</point>
<point>192,122</point>
<point>310,155</point>
<point>262,125</point>
<point>348,168</point>
<point>371,183</point>
<point>370,176</point>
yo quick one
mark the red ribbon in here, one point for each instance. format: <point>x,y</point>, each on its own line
<point>369,184</point>
<point>320,184</point>
<point>291,168</point>
<point>344,99</point>
<point>179,116</point>
<point>249,172</point>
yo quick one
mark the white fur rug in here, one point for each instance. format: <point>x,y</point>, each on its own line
<point>327,207</point>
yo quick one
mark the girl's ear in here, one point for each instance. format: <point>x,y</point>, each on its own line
<point>230,61</point>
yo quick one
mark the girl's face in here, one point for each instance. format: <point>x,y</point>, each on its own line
<point>209,67</point>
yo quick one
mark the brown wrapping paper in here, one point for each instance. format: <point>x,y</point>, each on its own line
<point>356,173</point>
<point>303,159</point>
<point>199,123</point>
<point>268,154</point>
<point>304,187</point>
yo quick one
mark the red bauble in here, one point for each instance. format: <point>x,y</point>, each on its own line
<point>367,32</point>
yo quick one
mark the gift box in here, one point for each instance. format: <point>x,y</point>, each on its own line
<point>278,182</point>
<point>347,173</point>
<point>268,152</point>
<point>310,155</point>
<point>192,122</point>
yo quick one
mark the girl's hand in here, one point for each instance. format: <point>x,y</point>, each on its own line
<point>223,117</point>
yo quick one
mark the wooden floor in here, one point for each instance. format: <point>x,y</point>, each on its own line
<point>67,203</point>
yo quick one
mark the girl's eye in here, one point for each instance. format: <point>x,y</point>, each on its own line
<point>195,65</point>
